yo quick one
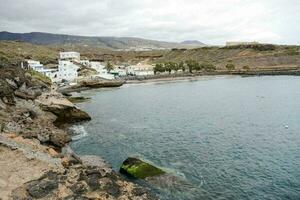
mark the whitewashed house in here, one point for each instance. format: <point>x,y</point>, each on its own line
<point>85,63</point>
<point>52,74</point>
<point>140,70</point>
<point>67,70</point>
<point>120,70</point>
<point>98,66</point>
<point>32,64</point>
<point>102,72</point>
<point>71,56</point>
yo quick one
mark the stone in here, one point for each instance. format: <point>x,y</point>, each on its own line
<point>59,138</point>
<point>71,115</point>
<point>12,135</point>
<point>65,110</point>
<point>40,189</point>
<point>137,168</point>
<point>43,137</point>
<point>79,187</point>
<point>52,152</point>
<point>78,99</point>
<point>65,162</point>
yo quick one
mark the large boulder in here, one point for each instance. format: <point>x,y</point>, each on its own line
<point>65,111</point>
<point>137,168</point>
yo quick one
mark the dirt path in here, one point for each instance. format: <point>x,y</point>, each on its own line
<point>19,163</point>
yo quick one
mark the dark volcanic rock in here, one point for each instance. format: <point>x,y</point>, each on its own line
<point>71,115</point>
<point>41,188</point>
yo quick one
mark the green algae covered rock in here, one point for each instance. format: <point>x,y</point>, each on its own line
<point>136,168</point>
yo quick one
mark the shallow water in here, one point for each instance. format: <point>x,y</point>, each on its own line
<point>226,137</point>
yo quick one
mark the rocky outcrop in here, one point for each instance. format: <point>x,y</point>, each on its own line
<point>101,83</point>
<point>35,160</point>
<point>81,182</point>
<point>78,99</point>
<point>65,111</point>
<point>137,168</point>
<point>14,81</point>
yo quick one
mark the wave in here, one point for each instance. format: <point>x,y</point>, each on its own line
<point>78,132</point>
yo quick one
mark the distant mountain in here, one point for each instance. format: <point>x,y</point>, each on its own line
<point>193,43</point>
<point>114,43</point>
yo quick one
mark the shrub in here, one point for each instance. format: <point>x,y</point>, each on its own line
<point>292,52</point>
<point>208,67</point>
<point>159,68</point>
<point>192,65</point>
<point>40,76</point>
<point>181,66</point>
<point>230,66</point>
<point>246,67</point>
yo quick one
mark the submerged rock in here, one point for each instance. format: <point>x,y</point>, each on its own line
<point>137,168</point>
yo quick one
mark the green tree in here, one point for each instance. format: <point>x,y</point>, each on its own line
<point>192,65</point>
<point>172,66</point>
<point>159,68</point>
<point>181,66</point>
<point>208,67</point>
<point>168,67</point>
<point>109,66</point>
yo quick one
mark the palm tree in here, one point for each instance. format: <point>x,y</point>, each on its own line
<point>109,66</point>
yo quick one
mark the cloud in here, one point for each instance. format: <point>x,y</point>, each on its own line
<point>210,21</point>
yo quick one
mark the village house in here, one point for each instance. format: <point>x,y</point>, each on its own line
<point>71,56</point>
<point>120,70</point>
<point>37,66</point>
<point>85,63</point>
<point>32,64</point>
<point>140,69</point>
<point>67,70</point>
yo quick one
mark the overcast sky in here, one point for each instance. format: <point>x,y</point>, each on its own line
<point>209,21</point>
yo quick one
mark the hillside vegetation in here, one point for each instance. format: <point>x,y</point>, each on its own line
<point>252,57</point>
<point>241,57</point>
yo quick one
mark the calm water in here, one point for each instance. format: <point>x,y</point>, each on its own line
<point>227,137</point>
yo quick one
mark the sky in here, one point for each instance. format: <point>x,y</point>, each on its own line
<point>210,21</point>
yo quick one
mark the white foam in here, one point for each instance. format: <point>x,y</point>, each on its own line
<point>78,131</point>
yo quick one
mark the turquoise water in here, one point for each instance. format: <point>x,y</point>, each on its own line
<point>226,137</point>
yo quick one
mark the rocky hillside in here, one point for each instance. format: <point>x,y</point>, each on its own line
<point>14,52</point>
<point>253,56</point>
<point>256,57</point>
<point>99,42</point>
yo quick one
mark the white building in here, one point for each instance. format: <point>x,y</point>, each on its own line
<point>85,63</point>
<point>101,71</point>
<point>67,70</point>
<point>98,66</point>
<point>120,70</point>
<point>52,74</point>
<point>140,70</point>
<point>71,55</point>
<point>240,43</point>
<point>37,66</point>
<point>32,64</point>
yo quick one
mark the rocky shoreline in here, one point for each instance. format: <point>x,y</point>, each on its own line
<point>295,71</point>
<point>35,160</point>
<point>91,84</point>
